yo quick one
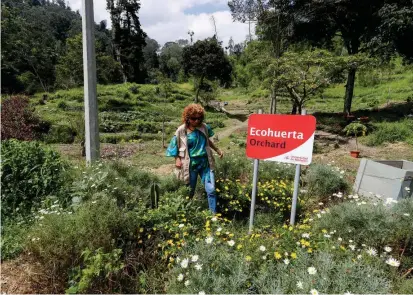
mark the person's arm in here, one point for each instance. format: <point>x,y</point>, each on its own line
<point>173,151</point>
<point>215,148</point>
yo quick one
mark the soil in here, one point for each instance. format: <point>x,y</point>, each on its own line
<point>25,276</point>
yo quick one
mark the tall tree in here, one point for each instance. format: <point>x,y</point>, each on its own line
<point>246,11</point>
<point>69,70</point>
<point>150,55</point>
<point>170,60</point>
<point>206,60</point>
<point>128,38</point>
<point>302,75</point>
<point>356,22</point>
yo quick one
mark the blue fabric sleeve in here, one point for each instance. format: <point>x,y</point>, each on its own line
<point>210,131</point>
<point>172,150</point>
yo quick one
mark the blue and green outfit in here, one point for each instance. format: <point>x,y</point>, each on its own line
<point>199,165</point>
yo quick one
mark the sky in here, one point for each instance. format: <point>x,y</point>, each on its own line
<point>170,20</point>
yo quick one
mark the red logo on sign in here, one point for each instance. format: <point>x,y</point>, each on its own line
<point>270,136</point>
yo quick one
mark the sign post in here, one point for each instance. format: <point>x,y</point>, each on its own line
<point>296,185</point>
<point>280,138</point>
<point>254,189</point>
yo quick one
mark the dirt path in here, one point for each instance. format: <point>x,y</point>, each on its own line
<point>235,125</point>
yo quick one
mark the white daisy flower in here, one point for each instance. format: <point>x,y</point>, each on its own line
<point>286,261</point>
<point>300,285</point>
<point>201,293</point>
<point>180,277</point>
<point>318,215</point>
<point>262,248</point>
<point>187,283</point>
<point>306,235</point>
<point>194,258</point>
<point>314,292</point>
<point>352,247</point>
<point>371,251</point>
<point>264,257</point>
<point>327,236</point>
<point>213,219</point>
<point>359,257</point>
<point>387,249</point>
<point>181,225</point>
<point>184,263</point>
<point>198,266</point>
<point>231,243</point>
<point>219,229</point>
<point>311,270</point>
<point>209,240</point>
<point>339,239</point>
<point>393,262</point>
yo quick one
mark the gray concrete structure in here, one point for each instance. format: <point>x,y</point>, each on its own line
<point>389,179</point>
<point>89,71</point>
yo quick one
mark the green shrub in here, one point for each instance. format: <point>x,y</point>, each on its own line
<point>179,96</point>
<point>374,103</point>
<point>98,272</point>
<point>148,127</point>
<point>234,167</point>
<point>110,126</point>
<point>59,239</point>
<point>368,78</point>
<point>60,134</point>
<point>18,119</point>
<point>322,181</point>
<point>29,172</point>
<point>216,123</point>
<point>225,270</point>
<point>273,170</point>
<point>235,196</point>
<point>406,287</point>
<point>62,105</point>
<point>134,89</point>
<point>115,105</point>
<point>391,132</point>
<point>369,224</point>
<point>13,235</point>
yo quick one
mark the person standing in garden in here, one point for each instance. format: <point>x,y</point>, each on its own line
<point>192,148</point>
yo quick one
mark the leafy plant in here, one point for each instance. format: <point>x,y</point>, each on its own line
<point>322,181</point>
<point>355,129</point>
<point>18,119</point>
<point>99,268</point>
<point>29,172</point>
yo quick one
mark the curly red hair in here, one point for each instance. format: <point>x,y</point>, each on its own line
<point>191,110</point>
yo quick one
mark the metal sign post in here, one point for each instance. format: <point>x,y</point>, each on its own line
<point>296,185</point>
<point>254,189</point>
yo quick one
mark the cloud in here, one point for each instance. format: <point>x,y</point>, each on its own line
<point>166,20</point>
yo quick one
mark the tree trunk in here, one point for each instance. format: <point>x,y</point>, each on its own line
<point>294,110</point>
<point>349,90</point>
<point>273,105</point>
<point>352,46</point>
<point>199,88</point>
